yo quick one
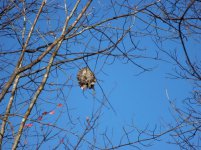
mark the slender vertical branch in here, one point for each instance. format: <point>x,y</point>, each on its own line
<point>33,101</point>
<point>12,78</point>
<point>183,44</point>
<point>9,106</point>
<point>45,76</point>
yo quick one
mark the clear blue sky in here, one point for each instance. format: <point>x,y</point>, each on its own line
<point>138,100</point>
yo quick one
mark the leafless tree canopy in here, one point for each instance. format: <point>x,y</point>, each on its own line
<point>44,43</point>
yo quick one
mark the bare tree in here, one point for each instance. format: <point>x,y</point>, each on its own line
<point>184,20</point>
<point>43,45</point>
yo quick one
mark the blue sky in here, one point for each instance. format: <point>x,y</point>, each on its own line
<point>139,100</point>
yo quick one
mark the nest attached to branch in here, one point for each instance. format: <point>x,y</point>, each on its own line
<point>86,78</point>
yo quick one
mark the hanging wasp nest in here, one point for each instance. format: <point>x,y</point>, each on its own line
<point>86,78</point>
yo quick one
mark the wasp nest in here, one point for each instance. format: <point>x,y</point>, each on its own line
<point>86,78</point>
